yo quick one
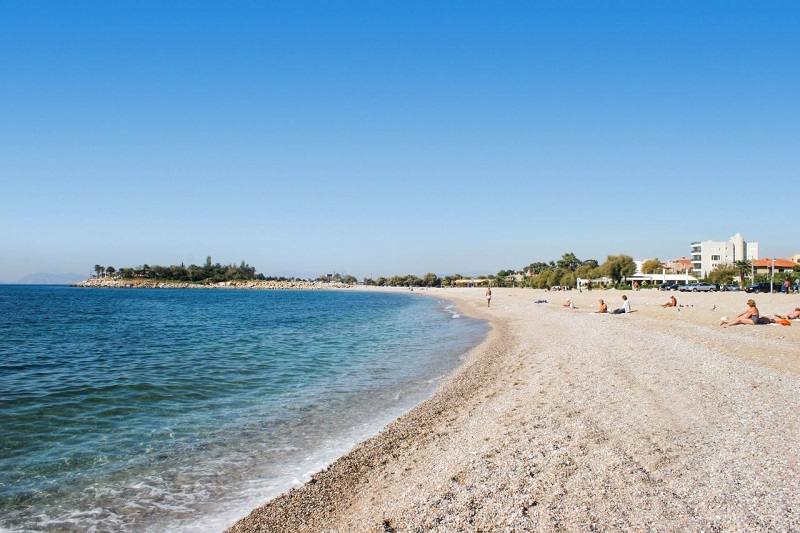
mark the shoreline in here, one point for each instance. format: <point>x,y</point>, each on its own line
<point>314,505</point>
<point>564,418</point>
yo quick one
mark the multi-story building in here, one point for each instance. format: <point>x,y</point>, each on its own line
<point>706,255</point>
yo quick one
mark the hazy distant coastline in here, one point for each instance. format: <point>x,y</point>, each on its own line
<point>46,278</point>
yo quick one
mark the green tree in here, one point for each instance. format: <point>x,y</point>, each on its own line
<point>539,267</point>
<point>350,280</point>
<point>584,271</point>
<point>99,269</point>
<point>411,280</point>
<point>431,280</point>
<point>568,262</point>
<point>723,273</point>
<point>743,268</point>
<point>554,277</point>
<point>450,280</point>
<point>568,280</point>
<point>618,267</point>
<point>110,271</point>
<point>539,281</point>
<point>652,266</point>
<point>158,272</point>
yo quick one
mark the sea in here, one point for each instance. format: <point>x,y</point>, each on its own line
<point>183,410</point>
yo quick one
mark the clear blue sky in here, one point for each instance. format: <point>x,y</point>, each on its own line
<point>393,137</point>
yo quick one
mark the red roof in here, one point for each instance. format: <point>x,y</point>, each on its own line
<point>767,263</point>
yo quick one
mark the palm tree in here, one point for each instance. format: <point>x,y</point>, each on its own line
<point>744,267</point>
<point>99,269</point>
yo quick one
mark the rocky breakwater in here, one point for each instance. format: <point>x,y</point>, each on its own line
<point>248,284</point>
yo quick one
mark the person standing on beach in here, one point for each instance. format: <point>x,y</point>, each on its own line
<point>626,306</point>
<point>488,296</point>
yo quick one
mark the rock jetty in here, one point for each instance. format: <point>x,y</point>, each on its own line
<point>245,284</point>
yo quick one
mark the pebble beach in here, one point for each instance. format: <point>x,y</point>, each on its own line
<point>564,419</point>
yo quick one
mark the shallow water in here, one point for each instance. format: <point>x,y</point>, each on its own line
<point>146,410</point>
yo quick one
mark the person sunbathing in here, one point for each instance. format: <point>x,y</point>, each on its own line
<point>603,307</point>
<point>671,303</point>
<point>748,317</point>
<point>791,316</point>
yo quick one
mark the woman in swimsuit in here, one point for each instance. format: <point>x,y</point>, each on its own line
<point>748,318</point>
<point>791,316</point>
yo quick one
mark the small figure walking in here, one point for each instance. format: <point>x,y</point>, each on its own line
<point>488,296</point>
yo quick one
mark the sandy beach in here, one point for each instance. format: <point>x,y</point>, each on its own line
<point>564,419</point>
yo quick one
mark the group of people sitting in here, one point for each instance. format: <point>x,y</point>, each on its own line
<point>626,307</point>
<point>751,316</point>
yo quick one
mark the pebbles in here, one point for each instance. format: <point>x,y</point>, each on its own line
<point>655,420</point>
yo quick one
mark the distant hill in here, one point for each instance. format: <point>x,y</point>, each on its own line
<point>43,278</point>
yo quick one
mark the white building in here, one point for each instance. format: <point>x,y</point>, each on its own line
<point>706,255</point>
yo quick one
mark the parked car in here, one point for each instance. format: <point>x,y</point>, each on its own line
<point>730,287</point>
<point>705,287</point>
<point>764,286</point>
<point>668,287</point>
<point>687,288</point>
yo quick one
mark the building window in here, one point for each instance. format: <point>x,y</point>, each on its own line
<point>715,257</point>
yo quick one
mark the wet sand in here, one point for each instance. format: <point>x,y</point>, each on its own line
<point>566,419</point>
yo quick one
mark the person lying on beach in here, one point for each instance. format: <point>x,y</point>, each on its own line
<point>671,303</point>
<point>626,306</point>
<point>791,316</point>
<point>749,317</point>
<point>603,307</point>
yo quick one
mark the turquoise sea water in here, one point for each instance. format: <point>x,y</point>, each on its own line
<point>155,410</point>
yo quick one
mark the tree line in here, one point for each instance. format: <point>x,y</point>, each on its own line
<point>562,272</point>
<point>208,272</point>
<point>566,271</point>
